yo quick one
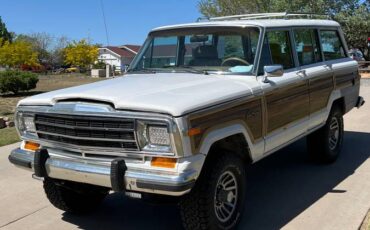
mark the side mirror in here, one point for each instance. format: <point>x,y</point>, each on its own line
<point>272,71</point>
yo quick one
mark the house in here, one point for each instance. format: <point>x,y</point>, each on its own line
<point>118,57</point>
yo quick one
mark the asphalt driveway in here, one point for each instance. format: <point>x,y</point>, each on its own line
<point>285,190</point>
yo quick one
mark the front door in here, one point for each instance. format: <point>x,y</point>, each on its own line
<point>286,97</point>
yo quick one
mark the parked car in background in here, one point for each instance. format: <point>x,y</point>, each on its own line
<point>356,54</point>
<point>72,70</point>
<point>199,102</point>
<point>58,70</point>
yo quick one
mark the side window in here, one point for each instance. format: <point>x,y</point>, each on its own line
<point>276,50</point>
<point>331,45</point>
<point>307,46</point>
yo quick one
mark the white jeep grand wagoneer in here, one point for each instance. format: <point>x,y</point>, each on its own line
<point>199,102</point>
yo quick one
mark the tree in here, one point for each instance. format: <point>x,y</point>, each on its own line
<point>17,53</point>
<point>56,54</point>
<point>353,15</point>
<point>211,8</point>
<point>49,48</point>
<point>41,43</point>
<point>356,27</point>
<point>80,53</point>
<point>5,35</point>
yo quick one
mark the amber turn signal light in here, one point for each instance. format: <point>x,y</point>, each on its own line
<point>31,146</point>
<point>194,131</point>
<point>163,162</point>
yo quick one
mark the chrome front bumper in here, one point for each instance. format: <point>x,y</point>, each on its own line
<point>99,173</point>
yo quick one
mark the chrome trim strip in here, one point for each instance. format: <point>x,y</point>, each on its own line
<point>82,127</point>
<point>96,150</point>
<point>86,138</point>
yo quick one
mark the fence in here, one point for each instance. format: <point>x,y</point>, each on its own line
<point>364,66</point>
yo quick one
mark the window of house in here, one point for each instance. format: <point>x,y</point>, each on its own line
<point>307,46</point>
<point>332,46</point>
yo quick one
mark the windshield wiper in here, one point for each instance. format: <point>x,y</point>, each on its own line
<point>184,68</point>
<point>191,69</point>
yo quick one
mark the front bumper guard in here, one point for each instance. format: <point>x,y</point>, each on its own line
<point>114,175</point>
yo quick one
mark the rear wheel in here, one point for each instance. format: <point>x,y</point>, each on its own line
<point>74,197</point>
<point>217,199</point>
<point>325,144</point>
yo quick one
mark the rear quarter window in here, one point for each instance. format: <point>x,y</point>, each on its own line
<point>332,46</point>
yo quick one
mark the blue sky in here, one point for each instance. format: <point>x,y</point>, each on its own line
<point>128,22</point>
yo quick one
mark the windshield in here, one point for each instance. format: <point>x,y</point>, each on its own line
<point>202,50</point>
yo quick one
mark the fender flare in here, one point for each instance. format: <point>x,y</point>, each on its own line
<point>218,133</point>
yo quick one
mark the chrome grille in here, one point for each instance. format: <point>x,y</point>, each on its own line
<point>87,131</point>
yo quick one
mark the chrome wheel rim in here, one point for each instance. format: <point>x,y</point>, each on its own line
<point>333,133</point>
<point>226,196</point>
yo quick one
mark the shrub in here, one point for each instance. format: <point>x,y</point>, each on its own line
<point>16,81</point>
<point>99,65</point>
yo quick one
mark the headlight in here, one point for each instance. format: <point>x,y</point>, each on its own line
<point>153,136</point>
<point>158,135</point>
<point>25,124</point>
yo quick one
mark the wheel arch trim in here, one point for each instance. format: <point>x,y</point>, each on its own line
<point>218,133</point>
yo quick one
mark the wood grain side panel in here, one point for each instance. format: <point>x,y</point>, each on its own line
<point>250,112</point>
<point>320,91</point>
<point>344,80</point>
<point>287,104</point>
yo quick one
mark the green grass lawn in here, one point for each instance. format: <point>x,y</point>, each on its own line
<point>8,136</point>
<point>45,84</point>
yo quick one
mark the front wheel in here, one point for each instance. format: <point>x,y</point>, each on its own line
<point>217,199</point>
<point>325,144</point>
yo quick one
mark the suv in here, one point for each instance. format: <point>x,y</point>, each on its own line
<point>199,103</point>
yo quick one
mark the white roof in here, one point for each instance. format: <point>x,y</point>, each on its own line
<point>266,23</point>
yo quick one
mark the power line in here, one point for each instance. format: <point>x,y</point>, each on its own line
<point>105,23</point>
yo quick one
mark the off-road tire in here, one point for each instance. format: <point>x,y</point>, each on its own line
<point>73,197</point>
<point>198,207</point>
<point>320,145</point>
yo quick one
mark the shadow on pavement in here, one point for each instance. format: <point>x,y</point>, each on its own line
<point>280,187</point>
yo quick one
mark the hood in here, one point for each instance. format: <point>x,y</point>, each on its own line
<point>171,93</point>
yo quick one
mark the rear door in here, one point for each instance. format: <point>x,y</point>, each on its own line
<point>286,97</point>
<point>315,70</point>
<point>345,69</point>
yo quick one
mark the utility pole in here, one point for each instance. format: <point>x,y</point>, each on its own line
<point>105,22</point>
<point>107,67</point>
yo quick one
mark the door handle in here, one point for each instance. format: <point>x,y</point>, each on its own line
<point>301,73</point>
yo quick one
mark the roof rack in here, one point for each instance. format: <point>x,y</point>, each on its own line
<point>284,15</point>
